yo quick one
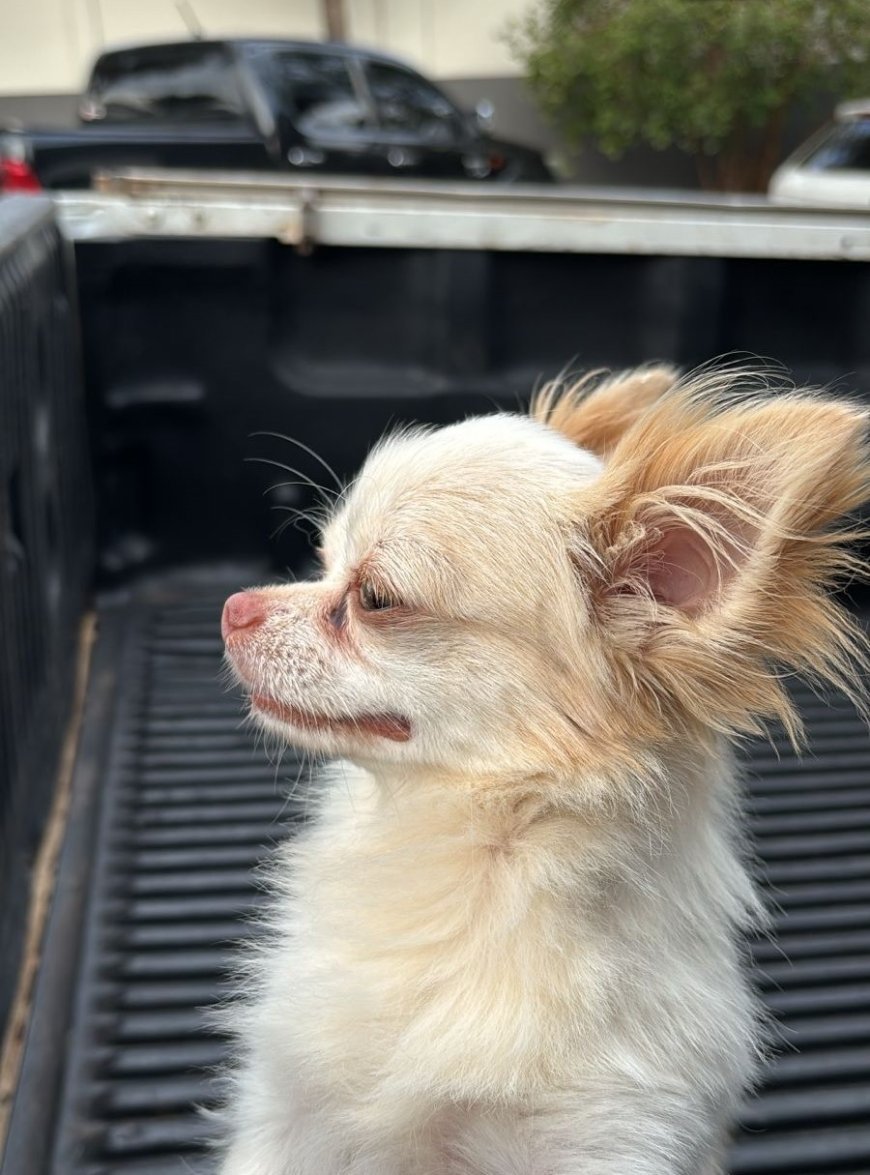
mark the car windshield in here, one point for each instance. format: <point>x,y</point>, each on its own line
<point>846,147</point>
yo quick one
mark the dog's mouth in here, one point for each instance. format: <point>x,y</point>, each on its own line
<point>390,726</point>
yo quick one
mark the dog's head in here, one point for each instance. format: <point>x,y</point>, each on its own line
<point>516,596</point>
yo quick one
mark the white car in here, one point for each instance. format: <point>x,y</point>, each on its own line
<point>831,169</point>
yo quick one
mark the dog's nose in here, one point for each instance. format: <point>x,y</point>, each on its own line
<point>242,610</point>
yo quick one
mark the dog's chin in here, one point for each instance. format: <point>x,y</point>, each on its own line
<point>322,732</point>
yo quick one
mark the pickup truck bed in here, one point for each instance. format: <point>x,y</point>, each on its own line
<point>175,805</point>
<point>190,345</point>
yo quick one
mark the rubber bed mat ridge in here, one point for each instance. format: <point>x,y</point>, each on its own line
<point>186,802</point>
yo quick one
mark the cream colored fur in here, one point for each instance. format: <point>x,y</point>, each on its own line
<point>508,944</point>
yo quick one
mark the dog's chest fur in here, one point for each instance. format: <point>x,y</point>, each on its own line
<point>454,951</point>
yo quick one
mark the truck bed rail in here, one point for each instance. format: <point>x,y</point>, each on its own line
<point>45,540</point>
<point>396,214</point>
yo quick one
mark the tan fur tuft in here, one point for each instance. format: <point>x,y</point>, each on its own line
<point>593,411</point>
<point>747,495</point>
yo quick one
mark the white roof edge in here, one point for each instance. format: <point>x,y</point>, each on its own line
<point>856,108</point>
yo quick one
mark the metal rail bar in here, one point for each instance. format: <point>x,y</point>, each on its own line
<point>332,211</point>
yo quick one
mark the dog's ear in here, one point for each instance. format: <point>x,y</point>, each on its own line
<point>709,546</point>
<point>595,413</point>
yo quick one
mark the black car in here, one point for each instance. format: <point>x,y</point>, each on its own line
<point>264,105</point>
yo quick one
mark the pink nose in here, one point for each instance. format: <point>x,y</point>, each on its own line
<point>243,610</point>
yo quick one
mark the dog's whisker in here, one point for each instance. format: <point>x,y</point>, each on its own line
<point>306,449</point>
<point>303,478</point>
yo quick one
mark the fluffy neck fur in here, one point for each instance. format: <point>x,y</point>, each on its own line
<point>536,918</point>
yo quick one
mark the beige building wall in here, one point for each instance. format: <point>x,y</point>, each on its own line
<point>46,46</point>
<point>444,38</point>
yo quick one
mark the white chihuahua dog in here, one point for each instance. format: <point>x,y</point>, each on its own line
<point>509,941</point>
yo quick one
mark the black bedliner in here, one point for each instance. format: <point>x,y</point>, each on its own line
<point>188,348</point>
<point>185,805</point>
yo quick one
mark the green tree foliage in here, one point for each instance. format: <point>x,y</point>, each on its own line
<point>716,78</point>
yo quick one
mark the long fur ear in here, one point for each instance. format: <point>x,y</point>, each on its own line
<point>594,412</point>
<point>710,544</point>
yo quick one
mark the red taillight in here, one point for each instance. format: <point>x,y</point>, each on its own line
<point>16,175</point>
<point>496,161</point>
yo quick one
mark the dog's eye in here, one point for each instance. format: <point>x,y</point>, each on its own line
<point>373,598</point>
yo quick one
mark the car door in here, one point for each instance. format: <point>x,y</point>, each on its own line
<point>324,118</point>
<point>419,132</point>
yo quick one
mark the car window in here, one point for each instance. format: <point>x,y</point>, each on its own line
<point>848,146</point>
<point>406,102</point>
<point>318,89</point>
<point>172,82</point>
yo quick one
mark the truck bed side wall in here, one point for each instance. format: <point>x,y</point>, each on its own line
<point>46,550</point>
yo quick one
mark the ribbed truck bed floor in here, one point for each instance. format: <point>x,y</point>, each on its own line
<point>174,805</point>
